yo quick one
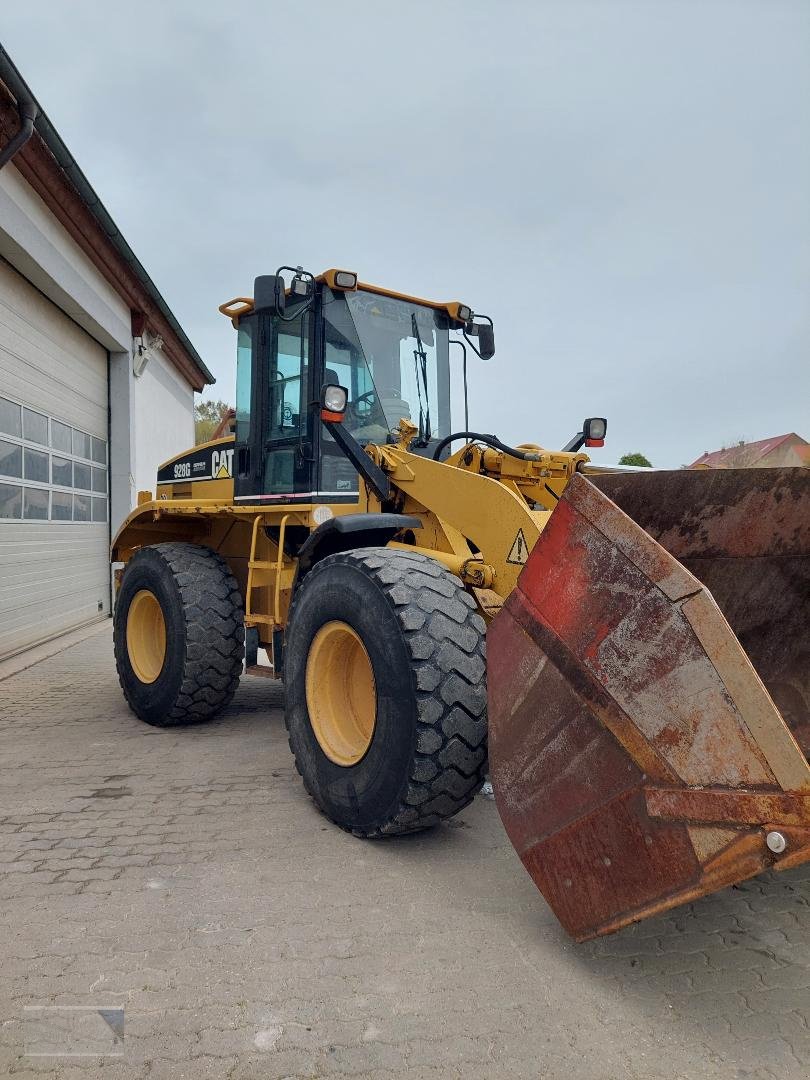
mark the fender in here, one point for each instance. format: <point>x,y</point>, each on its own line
<point>351,531</point>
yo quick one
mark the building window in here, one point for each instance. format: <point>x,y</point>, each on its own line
<point>81,507</point>
<point>99,451</point>
<point>10,459</point>
<point>81,476</point>
<point>10,422</point>
<point>57,486</point>
<point>36,465</point>
<point>35,427</point>
<point>61,471</point>
<point>35,503</point>
<point>81,444</point>
<point>61,437</point>
<point>10,501</point>
<point>61,506</point>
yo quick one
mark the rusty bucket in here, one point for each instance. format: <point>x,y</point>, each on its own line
<point>649,692</point>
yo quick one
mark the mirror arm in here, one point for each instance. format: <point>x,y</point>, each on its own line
<point>463,348</point>
<point>369,470</point>
<point>471,328</point>
<point>297,272</point>
<point>574,445</point>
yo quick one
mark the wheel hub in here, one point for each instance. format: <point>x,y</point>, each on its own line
<point>146,636</point>
<point>341,693</point>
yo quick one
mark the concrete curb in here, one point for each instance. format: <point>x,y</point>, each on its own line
<point>50,648</point>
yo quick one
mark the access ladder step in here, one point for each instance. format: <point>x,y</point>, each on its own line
<point>261,672</point>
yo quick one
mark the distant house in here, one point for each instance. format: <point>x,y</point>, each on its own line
<point>781,450</point>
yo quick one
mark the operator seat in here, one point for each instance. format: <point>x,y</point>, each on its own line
<point>395,409</point>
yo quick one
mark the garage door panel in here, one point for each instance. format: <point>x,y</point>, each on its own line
<point>53,573</point>
<point>61,403</point>
<point>20,635</point>
<point>70,403</point>
<point>55,591</point>
<point>73,391</point>
<point>57,566</point>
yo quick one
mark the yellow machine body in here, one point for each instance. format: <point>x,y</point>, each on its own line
<point>649,719</point>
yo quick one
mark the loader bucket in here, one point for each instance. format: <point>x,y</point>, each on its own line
<point>649,692</point>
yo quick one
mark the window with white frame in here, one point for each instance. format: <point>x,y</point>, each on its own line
<point>49,470</point>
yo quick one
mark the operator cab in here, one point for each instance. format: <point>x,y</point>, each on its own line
<point>389,351</point>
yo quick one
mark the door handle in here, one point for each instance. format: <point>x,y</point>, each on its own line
<point>243,461</point>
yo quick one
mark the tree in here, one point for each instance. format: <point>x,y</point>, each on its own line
<point>635,459</point>
<point>207,417</point>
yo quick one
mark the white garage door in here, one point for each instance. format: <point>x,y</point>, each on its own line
<point>54,506</point>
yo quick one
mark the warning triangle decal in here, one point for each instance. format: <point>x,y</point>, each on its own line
<point>519,551</point>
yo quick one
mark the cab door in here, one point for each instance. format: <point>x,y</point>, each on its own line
<point>287,464</point>
<point>273,418</point>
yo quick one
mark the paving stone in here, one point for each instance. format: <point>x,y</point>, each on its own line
<point>248,939</point>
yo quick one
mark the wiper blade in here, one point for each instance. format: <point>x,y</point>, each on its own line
<point>420,361</point>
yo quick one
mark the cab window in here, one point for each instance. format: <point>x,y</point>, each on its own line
<point>287,376</point>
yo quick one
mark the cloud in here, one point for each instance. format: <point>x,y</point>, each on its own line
<point>622,186</point>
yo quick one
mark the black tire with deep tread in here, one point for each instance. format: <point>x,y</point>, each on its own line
<point>427,646</point>
<point>205,633</point>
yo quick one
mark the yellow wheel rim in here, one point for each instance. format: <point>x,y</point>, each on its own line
<point>146,636</point>
<point>341,694</point>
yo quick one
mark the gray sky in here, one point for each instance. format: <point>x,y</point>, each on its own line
<point>624,187</point>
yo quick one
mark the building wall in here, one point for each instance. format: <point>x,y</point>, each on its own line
<point>785,453</point>
<point>163,418</point>
<point>151,418</point>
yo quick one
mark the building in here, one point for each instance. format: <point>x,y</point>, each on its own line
<point>781,450</point>
<point>97,380</point>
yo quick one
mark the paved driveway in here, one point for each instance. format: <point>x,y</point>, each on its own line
<point>186,876</point>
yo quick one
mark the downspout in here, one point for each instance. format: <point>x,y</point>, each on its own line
<point>28,113</point>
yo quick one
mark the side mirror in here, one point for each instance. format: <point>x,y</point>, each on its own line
<point>486,341</point>
<point>268,294</point>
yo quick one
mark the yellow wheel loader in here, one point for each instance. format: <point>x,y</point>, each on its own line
<point>641,637</point>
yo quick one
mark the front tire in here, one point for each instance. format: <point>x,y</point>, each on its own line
<point>385,677</point>
<point>178,633</point>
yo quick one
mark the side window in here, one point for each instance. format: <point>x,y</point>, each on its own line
<point>338,368</point>
<point>287,378</point>
<point>244,358</point>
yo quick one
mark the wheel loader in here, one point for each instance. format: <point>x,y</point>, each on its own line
<point>626,652</point>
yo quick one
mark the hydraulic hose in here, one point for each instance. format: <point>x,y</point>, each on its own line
<point>489,440</point>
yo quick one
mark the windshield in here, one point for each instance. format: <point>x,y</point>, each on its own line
<point>392,355</point>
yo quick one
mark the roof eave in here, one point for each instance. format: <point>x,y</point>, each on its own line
<point>74,176</point>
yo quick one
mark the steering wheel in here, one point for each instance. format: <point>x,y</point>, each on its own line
<point>367,401</point>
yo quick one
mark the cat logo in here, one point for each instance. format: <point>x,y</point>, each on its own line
<point>222,464</point>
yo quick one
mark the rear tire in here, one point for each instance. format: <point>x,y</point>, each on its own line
<point>425,642</point>
<point>194,669</point>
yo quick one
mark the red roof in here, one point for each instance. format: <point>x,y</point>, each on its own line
<point>752,452</point>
